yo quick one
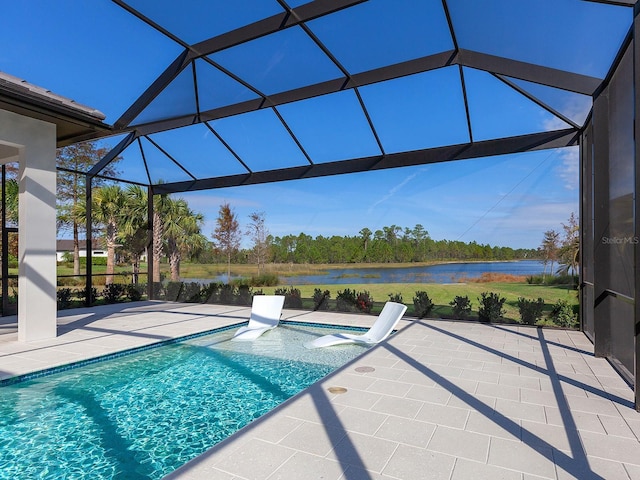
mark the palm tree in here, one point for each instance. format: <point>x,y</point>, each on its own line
<point>107,210</point>
<point>182,231</point>
<point>133,231</point>
<point>176,230</point>
<point>549,249</point>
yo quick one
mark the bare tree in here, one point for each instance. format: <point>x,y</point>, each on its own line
<point>226,235</point>
<point>259,235</point>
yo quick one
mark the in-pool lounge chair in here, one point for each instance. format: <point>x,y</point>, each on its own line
<point>382,328</point>
<point>265,315</point>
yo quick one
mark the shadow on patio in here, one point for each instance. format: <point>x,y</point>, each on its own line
<point>448,400</point>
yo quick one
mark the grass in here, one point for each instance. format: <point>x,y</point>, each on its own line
<point>442,294</point>
<point>194,270</point>
<point>506,286</point>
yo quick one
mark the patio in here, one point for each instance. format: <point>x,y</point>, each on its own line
<point>440,399</point>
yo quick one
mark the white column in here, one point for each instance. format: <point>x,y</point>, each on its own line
<point>33,144</point>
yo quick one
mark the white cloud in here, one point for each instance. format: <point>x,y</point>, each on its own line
<point>575,107</point>
<point>570,168</point>
<point>394,190</point>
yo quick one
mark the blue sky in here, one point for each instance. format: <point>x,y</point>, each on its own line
<point>509,200</point>
<point>94,53</point>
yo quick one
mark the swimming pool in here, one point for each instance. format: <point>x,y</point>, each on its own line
<point>143,415</point>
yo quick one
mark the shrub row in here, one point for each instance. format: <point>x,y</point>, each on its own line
<point>491,305</point>
<point>112,293</point>
<point>553,280</point>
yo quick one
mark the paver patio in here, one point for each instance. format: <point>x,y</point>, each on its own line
<point>440,399</point>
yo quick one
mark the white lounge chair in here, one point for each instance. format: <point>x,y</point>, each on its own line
<point>381,329</point>
<point>265,315</point>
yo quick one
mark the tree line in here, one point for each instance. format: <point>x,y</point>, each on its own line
<point>120,220</point>
<point>391,244</point>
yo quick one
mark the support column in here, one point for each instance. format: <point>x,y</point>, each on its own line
<point>151,288</point>
<point>636,94</point>
<point>601,267</point>
<point>88,288</point>
<point>33,144</point>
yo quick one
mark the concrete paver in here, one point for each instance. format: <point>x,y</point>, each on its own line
<point>442,400</point>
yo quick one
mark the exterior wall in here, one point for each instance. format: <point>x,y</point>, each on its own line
<point>32,143</point>
<point>83,253</point>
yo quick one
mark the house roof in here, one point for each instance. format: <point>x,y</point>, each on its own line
<point>72,119</point>
<point>66,245</point>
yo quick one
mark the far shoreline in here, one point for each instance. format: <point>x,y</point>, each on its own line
<point>195,270</point>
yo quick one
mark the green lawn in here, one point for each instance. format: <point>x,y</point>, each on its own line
<point>442,294</point>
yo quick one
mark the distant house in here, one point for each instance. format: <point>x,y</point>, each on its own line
<point>66,246</point>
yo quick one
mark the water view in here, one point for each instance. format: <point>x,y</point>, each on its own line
<point>441,273</point>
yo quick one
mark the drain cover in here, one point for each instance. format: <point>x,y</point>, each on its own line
<point>365,369</point>
<point>337,390</point>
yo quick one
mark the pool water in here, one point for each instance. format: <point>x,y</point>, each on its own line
<point>143,415</point>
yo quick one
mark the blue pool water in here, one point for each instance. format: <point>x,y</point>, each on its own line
<point>143,415</point>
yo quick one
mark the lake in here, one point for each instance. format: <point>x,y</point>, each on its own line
<point>442,273</point>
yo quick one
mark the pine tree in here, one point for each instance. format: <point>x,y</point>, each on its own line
<point>227,235</point>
